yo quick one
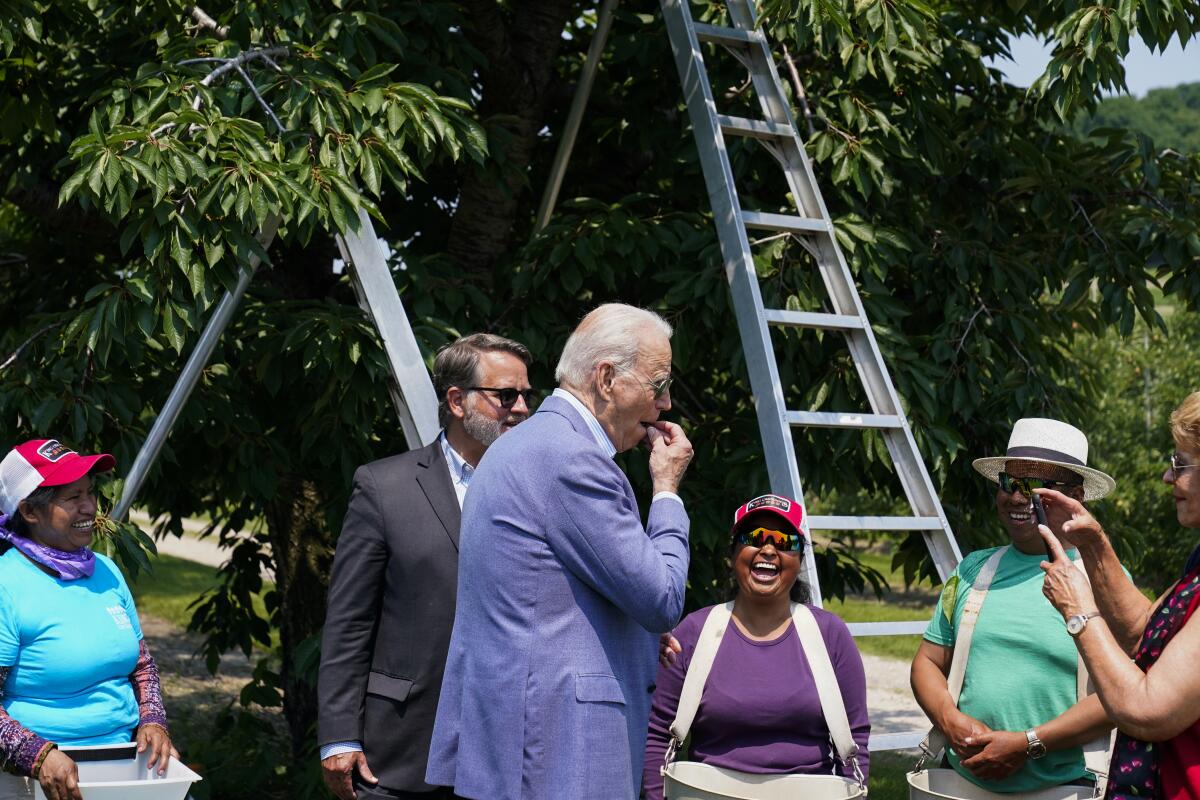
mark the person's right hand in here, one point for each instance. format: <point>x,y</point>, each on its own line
<point>1068,519</point>
<point>338,771</point>
<point>59,777</point>
<point>668,648</point>
<point>670,454</point>
<point>960,727</point>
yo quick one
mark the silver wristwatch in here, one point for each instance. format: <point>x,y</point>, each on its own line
<point>1077,622</point>
<point>1035,747</point>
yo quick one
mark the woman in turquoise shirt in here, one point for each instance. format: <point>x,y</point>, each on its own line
<point>74,669</point>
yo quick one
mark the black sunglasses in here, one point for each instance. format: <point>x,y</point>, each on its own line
<point>1026,485</point>
<point>508,397</point>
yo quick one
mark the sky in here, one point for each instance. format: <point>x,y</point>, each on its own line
<point>1144,70</point>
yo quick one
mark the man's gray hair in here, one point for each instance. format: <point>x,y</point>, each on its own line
<point>611,332</point>
<point>457,364</point>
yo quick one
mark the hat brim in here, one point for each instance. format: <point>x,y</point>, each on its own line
<point>73,469</point>
<point>1096,484</point>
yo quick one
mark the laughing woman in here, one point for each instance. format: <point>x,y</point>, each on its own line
<point>759,711</point>
<point>73,667</point>
<point>1155,698</point>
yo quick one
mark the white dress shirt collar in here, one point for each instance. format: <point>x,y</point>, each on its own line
<point>589,419</point>
<point>460,470</point>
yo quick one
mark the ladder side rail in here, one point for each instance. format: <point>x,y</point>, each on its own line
<point>881,393</point>
<point>411,387</point>
<point>843,293</point>
<point>185,384</point>
<point>770,408</point>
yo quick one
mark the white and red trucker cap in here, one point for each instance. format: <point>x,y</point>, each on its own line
<point>43,462</point>
<point>776,504</point>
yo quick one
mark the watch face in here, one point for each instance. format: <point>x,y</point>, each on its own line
<point>1076,624</point>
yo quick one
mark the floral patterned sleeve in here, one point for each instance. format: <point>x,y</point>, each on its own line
<point>147,690</point>
<point>19,746</point>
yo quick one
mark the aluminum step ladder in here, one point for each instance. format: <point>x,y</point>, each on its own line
<point>813,227</point>
<point>410,387</point>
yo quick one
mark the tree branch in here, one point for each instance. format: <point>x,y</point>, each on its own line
<point>254,90</point>
<point>267,54</point>
<point>21,348</point>
<point>1091,227</point>
<point>203,20</point>
<point>798,87</point>
<point>970,324</point>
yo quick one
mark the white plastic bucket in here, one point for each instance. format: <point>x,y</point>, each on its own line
<point>691,780</point>
<point>946,784</point>
<point>118,772</point>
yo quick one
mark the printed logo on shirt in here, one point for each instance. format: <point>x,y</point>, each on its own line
<point>768,500</point>
<point>120,617</point>
<point>53,450</point>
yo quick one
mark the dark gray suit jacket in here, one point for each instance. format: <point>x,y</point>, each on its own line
<point>390,613</point>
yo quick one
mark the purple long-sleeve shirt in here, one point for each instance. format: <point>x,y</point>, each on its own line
<point>760,711</point>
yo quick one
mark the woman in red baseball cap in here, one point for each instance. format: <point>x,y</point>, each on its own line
<point>746,682</point>
<point>74,669</point>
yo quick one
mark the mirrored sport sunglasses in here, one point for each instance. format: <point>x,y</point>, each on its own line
<point>761,537</point>
<point>508,397</point>
<point>1026,485</point>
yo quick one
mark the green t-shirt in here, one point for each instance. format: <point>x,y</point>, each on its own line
<point>1023,664</point>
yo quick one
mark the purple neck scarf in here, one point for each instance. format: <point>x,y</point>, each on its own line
<point>70,565</point>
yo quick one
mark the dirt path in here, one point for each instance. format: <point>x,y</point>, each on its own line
<point>889,698</point>
<point>193,696</point>
<point>190,546</point>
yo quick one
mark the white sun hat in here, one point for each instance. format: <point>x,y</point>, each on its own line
<point>1049,442</point>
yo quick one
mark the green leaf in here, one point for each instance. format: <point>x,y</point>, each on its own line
<point>370,172</point>
<point>72,185</point>
<point>95,178</point>
<point>172,328</point>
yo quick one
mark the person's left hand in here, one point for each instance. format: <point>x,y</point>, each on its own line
<point>1003,754</point>
<point>1065,586</point>
<point>668,649</point>
<point>156,740</point>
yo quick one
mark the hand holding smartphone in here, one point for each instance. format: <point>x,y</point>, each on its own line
<point>1040,513</point>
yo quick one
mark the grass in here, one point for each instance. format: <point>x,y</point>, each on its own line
<point>888,770</point>
<point>897,605</point>
<point>175,585</point>
<point>868,609</point>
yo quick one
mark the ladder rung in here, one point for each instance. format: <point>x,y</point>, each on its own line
<point>754,128</point>
<point>811,319</point>
<point>896,741</point>
<point>887,628</point>
<point>842,419</point>
<point>726,36</point>
<point>784,222</point>
<point>852,523</point>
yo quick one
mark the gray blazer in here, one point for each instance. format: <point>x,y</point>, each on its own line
<point>389,615</point>
<point>561,595</point>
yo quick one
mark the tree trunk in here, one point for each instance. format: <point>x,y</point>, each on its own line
<point>303,553</point>
<point>520,47</point>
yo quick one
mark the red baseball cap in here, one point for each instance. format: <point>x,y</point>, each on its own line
<point>43,462</point>
<point>777,505</point>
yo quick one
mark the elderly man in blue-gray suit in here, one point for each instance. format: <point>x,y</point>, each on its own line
<point>561,590</point>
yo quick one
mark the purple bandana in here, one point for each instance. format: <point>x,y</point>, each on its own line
<point>70,565</point>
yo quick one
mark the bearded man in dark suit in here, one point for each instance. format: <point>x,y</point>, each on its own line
<point>395,575</point>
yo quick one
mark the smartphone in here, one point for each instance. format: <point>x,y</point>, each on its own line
<point>1040,513</point>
